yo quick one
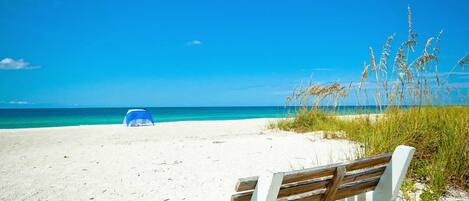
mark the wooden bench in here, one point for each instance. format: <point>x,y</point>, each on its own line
<point>377,178</point>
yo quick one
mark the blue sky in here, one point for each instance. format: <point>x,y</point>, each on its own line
<point>201,53</point>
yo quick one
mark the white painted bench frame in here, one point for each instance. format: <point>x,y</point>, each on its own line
<point>268,185</point>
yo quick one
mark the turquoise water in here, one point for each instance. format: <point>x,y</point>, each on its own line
<point>33,118</point>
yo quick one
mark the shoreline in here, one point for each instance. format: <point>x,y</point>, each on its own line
<point>59,117</point>
<point>341,116</point>
<point>156,124</point>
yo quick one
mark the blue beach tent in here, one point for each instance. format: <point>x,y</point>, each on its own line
<point>138,117</point>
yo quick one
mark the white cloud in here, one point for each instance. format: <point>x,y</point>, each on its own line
<point>15,102</point>
<point>316,69</point>
<point>322,69</point>
<point>194,42</point>
<point>11,64</point>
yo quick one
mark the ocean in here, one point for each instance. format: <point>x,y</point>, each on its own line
<point>53,117</point>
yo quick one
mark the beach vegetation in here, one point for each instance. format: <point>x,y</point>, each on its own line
<point>413,103</point>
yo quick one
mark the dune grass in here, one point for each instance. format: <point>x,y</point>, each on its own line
<point>413,99</point>
<point>440,135</point>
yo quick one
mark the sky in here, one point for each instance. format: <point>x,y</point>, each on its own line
<point>93,53</point>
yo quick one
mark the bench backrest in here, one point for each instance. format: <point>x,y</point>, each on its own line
<point>330,182</point>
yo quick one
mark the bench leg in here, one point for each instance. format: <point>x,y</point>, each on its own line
<point>267,187</point>
<point>391,181</point>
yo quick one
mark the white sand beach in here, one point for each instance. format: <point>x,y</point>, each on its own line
<point>199,160</point>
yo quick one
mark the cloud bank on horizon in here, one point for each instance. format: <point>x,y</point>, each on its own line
<point>15,102</point>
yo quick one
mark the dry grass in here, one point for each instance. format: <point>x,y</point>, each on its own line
<point>409,93</point>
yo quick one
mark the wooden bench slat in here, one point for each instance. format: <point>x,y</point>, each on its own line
<point>243,196</point>
<point>315,184</point>
<point>363,175</point>
<point>244,184</point>
<point>287,190</point>
<point>301,187</point>
<point>290,177</point>
<point>368,162</point>
<point>308,196</point>
<point>358,188</point>
<point>249,183</point>
<point>313,173</point>
<point>343,191</point>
